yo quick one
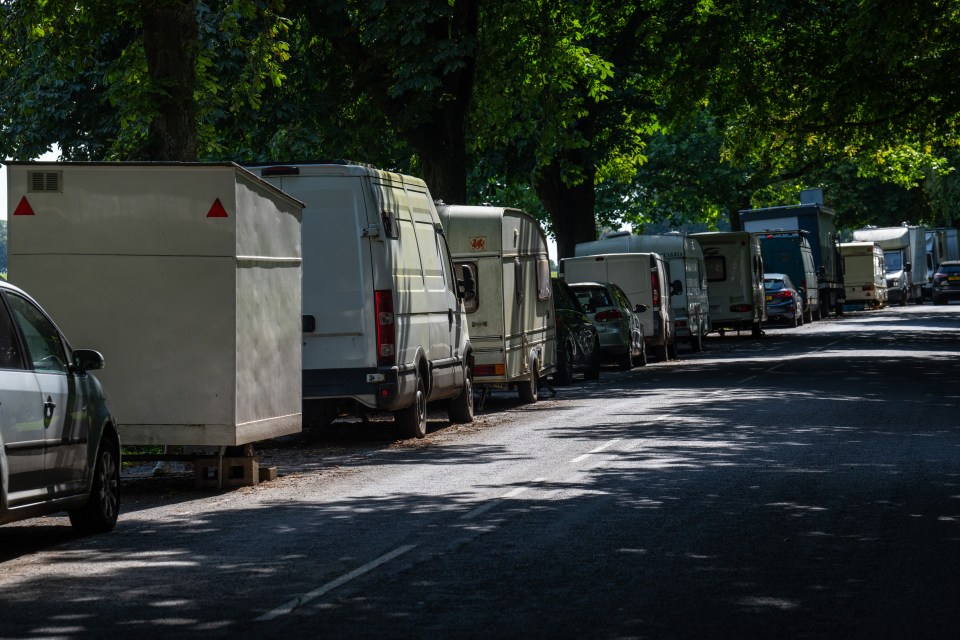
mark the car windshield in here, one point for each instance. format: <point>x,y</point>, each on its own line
<point>593,296</point>
<point>772,284</point>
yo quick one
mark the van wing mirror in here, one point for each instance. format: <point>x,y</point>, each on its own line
<point>640,308</point>
<point>908,267</point>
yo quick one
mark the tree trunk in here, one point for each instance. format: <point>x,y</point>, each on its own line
<point>571,208</point>
<point>170,41</point>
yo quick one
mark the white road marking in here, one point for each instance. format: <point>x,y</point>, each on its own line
<point>333,584</point>
<point>473,513</point>
<point>597,450</point>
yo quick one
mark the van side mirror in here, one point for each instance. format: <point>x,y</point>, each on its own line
<point>908,267</point>
<point>640,308</point>
<point>676,288</point>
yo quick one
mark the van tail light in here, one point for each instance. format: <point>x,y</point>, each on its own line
<point>386,329</point>
<point>610,315</point>
<point>655,284</point>
<point>741,308</point>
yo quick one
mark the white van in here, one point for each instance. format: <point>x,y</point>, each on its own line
<point>503,252</point>
<point>383,321</point>
<point>643,277</point>
<point>864,274</point>
<point>688,284</point>
<point>735,280</point>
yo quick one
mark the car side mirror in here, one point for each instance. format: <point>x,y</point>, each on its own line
<point>87,360</point>
<point>640,308</point>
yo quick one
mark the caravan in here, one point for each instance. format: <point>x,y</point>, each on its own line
<point>735,277</point>
<point>503,252</point>
<point>688,278</point>
<point>864,274</point>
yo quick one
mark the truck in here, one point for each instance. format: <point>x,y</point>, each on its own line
<point>186,276</point>
<point>503,252</point>
<point>688,278</point>
<point>904,256</point>
<point>818,220</point>
<point>735,280</point>
<point>789,252</point>
<point>864,275</point>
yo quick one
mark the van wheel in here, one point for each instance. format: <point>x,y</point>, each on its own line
<point>672,349</point>
<point>460,409</point>
<point>755,330</point>
<point>99,514</point>
<point>527,389</point>
<point>412,421</point>
<point>696,342</point>
<point>593,371</point>
<point>564,374</point>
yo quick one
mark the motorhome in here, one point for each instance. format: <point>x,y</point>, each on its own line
<point>688,279</point>
<point>735,280</point>
<point>503,252</point>
<point>904,256</point>
<point>384,328</point>
<point>864,274</point>
<point>644,278</point>
<point>789,252</point>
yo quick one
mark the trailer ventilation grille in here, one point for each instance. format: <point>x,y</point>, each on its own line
<point>45,181</point>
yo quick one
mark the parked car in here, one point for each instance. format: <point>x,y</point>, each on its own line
<point>618,324</point>
<point>578,343</point>
<point>783,299</point>
<point>946,282</point>
<point>59,448</point>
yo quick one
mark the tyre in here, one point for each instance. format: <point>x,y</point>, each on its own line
<point>756,330</point>
<point>672,349</point>
<point>527,389</point>
<point>593,371</point>
<point>794,323</point>
<point>99,514</point>
<point>696,342</point>
<point>412,421</point>
<point>460,409</point>
<point>625,362</point>
<point>903,298</point>
<point>641,360</point>
<point>564,374</point>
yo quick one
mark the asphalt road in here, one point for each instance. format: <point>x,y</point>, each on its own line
<point>805,484</point>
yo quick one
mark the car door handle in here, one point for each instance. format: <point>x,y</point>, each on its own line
<point>48,408</point>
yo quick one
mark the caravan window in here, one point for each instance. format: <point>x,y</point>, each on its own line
<point>716,268</point>
<point>543,278</point>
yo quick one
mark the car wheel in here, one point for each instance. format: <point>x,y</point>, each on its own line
<point>99,514</point>
<point>641,360</point>
<point>527,389</point>
<point>593,371</point>
<point>412,421</point>
<point>794,323</point>
<point>460,409</point>
<point>564,374</point>
<point>625,362</point>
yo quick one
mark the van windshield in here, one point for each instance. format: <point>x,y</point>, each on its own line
<point>893,260</point>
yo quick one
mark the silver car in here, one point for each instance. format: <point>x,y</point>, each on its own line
<point>616,320</point>
<point>59,448</point>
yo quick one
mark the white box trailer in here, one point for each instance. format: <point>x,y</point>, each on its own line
<point>904,254</point>
<point>864,274</point>
<point>735,280</point>
<point>688,279</point>
<point>185,276</point>
<point>512,324</point>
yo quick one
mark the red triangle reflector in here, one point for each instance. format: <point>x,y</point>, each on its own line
<point>24,208</point>
<point>217,210</point>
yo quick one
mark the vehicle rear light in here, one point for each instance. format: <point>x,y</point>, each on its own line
<point>868,287</point>
<point>655,284</point>
<point>783,294</point>
<point>741,308</point>
<point>489,369</point>
<point>937,277</point>
<point>611,315</point>
<point>386,329</point>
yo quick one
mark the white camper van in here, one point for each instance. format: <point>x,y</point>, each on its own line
<point>735,276</point>
<point>688,284</point>
<point>644,277</point>
<point>383,321</point>
<point>503,252</point>
<point>864,274</point>
<point>186,276</point>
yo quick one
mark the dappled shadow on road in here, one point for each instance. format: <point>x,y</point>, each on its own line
<point>813,500</point>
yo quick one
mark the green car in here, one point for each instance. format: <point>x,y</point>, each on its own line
<point>578,344</point>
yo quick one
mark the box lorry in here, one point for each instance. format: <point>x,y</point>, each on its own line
<point>735,280</point>
<point>904,256</point>
<point>644,278</point>
<point>384,329</point>
<point>864,275</point>
<point>789,252</point>
<point>503,251</point>
<point>819,222</point>
<point>186,276</point>
<point>688,279</point>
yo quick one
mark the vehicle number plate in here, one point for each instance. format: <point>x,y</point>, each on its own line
<point>953,278</point>
<point>769,298</point>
